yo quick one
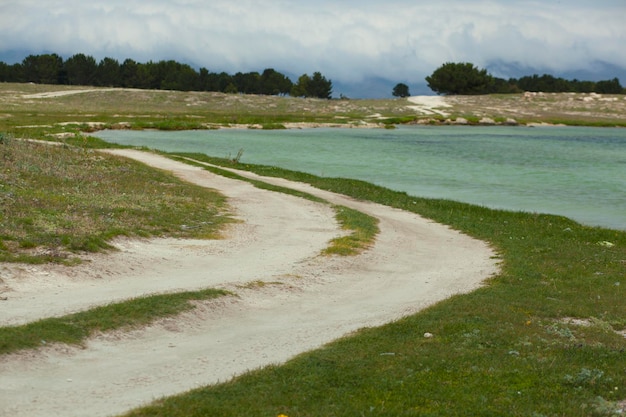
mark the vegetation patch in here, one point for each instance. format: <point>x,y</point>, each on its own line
<point>363,227</point>
<point>76,328</point>
<point>56,201</point>
<point>257,284</point>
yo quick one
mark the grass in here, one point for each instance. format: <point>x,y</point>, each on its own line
<point>75,328</point>
<point>172,110</point>
<point>363,227</point>
<point>504,349</point>
<point>57,201</point>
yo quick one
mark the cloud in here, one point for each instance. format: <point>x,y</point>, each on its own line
<point>347,41</point>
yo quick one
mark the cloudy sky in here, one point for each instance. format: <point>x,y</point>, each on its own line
<point>363,46</point>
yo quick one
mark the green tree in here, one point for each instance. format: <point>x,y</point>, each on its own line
<point>546,83</point>
<point>400,90</point>
<point>11,73</point>
<point>231,89</point>
<point>223,80</point>
<point>128,73</point>
<point>172,75</point>
<point>273,82</point>
<point>582,86</point>
<point>609,87</point>
<point>145,77</point>
<point>316,86</point>
<point>247,83</point>
<point>80,69</point>
<point>108,73</point>
<point>460,78</point>
<point>300,89</point>
<point>320,87</point>
<point>502,86</point>
<point>5,73</point>
<point>42,69</point>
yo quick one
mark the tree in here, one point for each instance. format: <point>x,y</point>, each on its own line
<point>546,83</point>
<point>502,86</point>
<point>316,86</point>
<point>273,82</point>
<point>172,75</point>
<point>128,73</point>
<point>247,83</point>
<point>401,90</point>
<point>5,73</point>
<point>108,73</point>
<point>460,78</point>
<point>80,69</point>
<point>609,87</point>
<point>43,69</point>
<point>300,88</point>
<point>320,87</point>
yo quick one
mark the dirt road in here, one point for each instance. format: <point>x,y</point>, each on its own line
<point>307,300</point>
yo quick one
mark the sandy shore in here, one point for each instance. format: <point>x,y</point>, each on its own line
<point>307,301</point>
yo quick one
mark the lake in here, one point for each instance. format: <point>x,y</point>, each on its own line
<point>578,172</point>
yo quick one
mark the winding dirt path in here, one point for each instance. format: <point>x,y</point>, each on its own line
<point>309,300</point>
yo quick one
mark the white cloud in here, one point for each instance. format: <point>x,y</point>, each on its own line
<point>347,40</point>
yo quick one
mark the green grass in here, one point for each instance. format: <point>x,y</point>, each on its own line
<point>363,227</point>
<point>501,350</point>
<point>56,201</point>
<point>75,328</point>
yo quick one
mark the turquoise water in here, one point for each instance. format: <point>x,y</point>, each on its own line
<point>577,172</point>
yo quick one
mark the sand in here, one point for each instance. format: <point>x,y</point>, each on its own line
<point>428,105</point>
<point>307,300</point>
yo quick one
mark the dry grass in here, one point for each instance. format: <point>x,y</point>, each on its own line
<point>93,108</point>
<point>60,199</point>
<point>569,108</point>
<point>200,109</point>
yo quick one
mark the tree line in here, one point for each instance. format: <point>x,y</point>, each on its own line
<point>465,78</point>
<point>81,69</point>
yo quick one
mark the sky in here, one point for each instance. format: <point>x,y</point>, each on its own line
<point>364,46</point>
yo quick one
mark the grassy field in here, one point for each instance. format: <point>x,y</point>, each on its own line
<point>543,338</point>
<point>60,200</point>
<point>26,110</point>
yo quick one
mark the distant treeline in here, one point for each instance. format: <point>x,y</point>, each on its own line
<point>550,84</point>
<point>81,69</point>
<point>466,78</point>
<point>450,78</point>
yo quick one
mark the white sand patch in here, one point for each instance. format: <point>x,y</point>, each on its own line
<point>428,104</point>
<point>54,94</point>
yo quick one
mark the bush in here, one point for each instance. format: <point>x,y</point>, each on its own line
<point>460,78</point>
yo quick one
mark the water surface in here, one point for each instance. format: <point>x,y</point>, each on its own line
<point>578,172</point>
